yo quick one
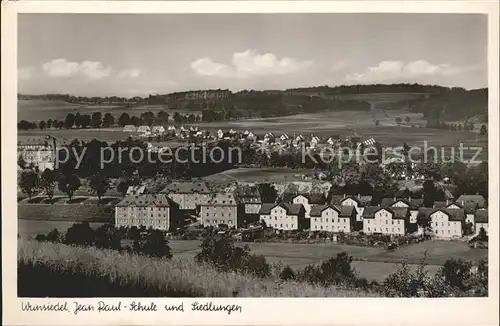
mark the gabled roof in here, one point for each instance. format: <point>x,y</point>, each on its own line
<point>336,199</point>
<point>453,214</point>
<point>186,188</point>
<point>317,210</point>
<point>416,203</point>
<point>473,200</point>
<point>313,198</point>
<point>439,204</point>
<point>223,199</point>
<point>386,202</point>
<point>292,209</point>
<point>454,203</point>
<point>351,197</point>
<point>265,209</point>
<point>347,211</point>
<point>397,212</point>
<point>145,201</point>
<point>481,216</point>
<point>425,212</point>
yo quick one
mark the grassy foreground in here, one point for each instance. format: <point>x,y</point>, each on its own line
<point>56,270</point>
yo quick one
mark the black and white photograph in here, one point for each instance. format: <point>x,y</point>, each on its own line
<point>252,154</point>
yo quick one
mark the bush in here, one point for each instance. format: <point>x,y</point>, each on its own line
<point>225,256</point>
<point>457,273</point>
<point>80,234</point>
<point>156,245</point>
<point>287,274</point>
<point>107,237</point>
<point>54,236</point>
<point>336,270</point>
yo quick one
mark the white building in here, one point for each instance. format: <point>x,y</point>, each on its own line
<point>220,134</point>
<point>129,128</point>
<point>481,220</point>
<point>143,210</point>
<point>308,200</point>
<point>332,218</point>
<point>447,223</point>
<point>284,216</point>
<point>221,208</point>
<point>158,130</point>
<point>188,195</point>
<point>389,221</point>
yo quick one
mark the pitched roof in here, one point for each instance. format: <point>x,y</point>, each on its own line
<point>474,200</point>
<point>425,212</point>
<point>454,203</point>
<point>316,210</point>
<point>416,203</point>
<point>336,199</point>
<point>397,212</point>
<point>351,197</point>
<point>292,209</point>
<point>186,188</point>
<point>313,198</point>
<point>386,202</point>
<point>265,208</point>
<point>222,199</point>
<point>453,214</point>
<point>370,211</point>
<point>347,211</point>
<point>439,204</point>
<point>145,201</point>
<point>481,216</point>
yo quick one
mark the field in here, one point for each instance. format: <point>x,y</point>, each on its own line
<point>37,110</point>
<point>257,175</point>
<point>89,272</point>
<point>372,263</point>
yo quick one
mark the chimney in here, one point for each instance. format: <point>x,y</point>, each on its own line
<point>447,202</point>
<point>344,195</point>
<point>359,196</point>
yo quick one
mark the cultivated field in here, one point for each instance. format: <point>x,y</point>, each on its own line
<point>37,110</point>
<point>257,175</point>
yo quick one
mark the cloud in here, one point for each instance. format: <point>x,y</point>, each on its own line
<point>248,64</point>
<point>63,68</point>
<point>388,70</point>
<point>337,66</point>
<point>25,73</point>
<point>129,73</point>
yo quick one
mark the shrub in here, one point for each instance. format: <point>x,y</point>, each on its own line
<point>54,236</point>
<point>155,245</point>
<point>457,273</point>
<point>107,237</point>
<point>287,274</point>
<point>40,237</point>
<point>336,270</point>
<point>225,256</point>
<point>80,234</point>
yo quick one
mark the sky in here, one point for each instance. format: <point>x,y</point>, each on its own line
<point>141,54</point>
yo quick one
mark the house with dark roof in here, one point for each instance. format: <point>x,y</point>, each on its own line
<point>447,223</point>
<point>249,203</point>
<point>481,220</point>
<point>386,220</point>
<point>152,210</point>
<point>359,203</point>
<point>221,208</point>
<point>284,216</point>
<point>308,200</point>
<point>439,204</point>
<point>188,195</point>
<point>333,218</point>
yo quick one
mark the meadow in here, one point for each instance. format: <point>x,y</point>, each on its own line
<point>37,110</point>
<point>370,262</point>
<point>257,175</point>
<point>90,272</point>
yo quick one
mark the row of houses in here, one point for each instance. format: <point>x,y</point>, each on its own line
<point>302,211</point>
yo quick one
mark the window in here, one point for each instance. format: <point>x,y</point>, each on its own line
<point>392,222</point>
<point>368,228</point>
<point>386,230</point>
<point>386,222</point>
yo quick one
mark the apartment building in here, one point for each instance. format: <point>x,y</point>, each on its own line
<point>385,220</point>
<point>284,216</point>
<point>333,218</point>
<point>221,208</point>
<point>308,200</point>
<point>143,210</point>
<point>447,223</point>
<point>188,195</point>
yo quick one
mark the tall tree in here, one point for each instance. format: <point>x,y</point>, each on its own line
<point>42,125</point>
<point>99,184</point>
<point>69,184</point>
<point>483,130</point>
<point>124,119</point>
<point>95,120</point>
<point>108,120</point>
<point>69,121</point>
<point>48,182</point>
<point>28,182</point>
